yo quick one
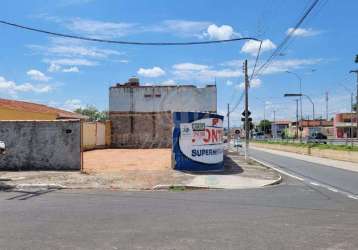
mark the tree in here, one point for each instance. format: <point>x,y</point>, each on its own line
<point>265,126</point>
<point>354,107</point>
<point>93,113</point>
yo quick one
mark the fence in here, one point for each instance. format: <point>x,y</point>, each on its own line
<point>96,135</point>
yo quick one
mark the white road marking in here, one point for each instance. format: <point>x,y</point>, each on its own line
<point>278,169</point>
<point>353,197</point>
<point>330,188</point>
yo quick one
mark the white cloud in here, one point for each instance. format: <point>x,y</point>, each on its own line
<point>37,75</point>
<point>71,62</point>
<point>72,104</point>
<point>100,29</point>
<point>278,66</point>
<point>57,64</point>
<point>71,70</point>
<point>54,67</point>
<point>13,88</point>
<point>275,66</point>
<point>169,82</point>
<point>190,66</point>
<point>254,83</point>
<point>191,71</point>
<point>229,83</point>
<point>252,47</point>
<point>66,3</point>
<point>70,51</point>
<point>302,32</point>
<point>181,27</point>
<point>223,32</point>
<point>153,72</point>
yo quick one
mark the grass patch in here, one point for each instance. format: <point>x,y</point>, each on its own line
<point>312,145</point>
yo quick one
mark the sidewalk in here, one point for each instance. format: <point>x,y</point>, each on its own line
<point>323,161</point>
<point>237,175</point>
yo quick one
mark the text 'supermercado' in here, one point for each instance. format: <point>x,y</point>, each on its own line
<point>198,141</point>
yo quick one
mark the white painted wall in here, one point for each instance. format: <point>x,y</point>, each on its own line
<point>163,98</point>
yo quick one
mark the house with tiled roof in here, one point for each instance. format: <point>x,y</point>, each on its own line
<point>20,110</point>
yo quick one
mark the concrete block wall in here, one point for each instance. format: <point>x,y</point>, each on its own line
<point>141,130</point>
<point>41,145</point>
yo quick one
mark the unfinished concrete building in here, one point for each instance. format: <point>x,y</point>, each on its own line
<point>141,115</point>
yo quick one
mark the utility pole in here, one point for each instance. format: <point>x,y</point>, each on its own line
<point>351,130</point>
<point>296,118</point>
<point>356,71</point>
<point>247,126</point>
<point>228,122</point>
<point>327,105</point>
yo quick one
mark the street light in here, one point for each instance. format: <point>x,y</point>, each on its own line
<point>300,95</point>
<point>300,82</point>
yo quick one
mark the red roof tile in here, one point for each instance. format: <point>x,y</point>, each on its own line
<point>39,108</point>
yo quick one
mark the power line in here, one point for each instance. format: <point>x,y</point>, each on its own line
<point>257,59</point>
<point>123,42</point>
<point>287,38</point>
<point>238,102</point>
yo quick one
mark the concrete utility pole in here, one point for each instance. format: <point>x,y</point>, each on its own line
<point>247,127</point>
<point>228,122</point>
<point>356,71</point>
<point>327,105</point>
<point>296,118</point>
<point>351,130</point>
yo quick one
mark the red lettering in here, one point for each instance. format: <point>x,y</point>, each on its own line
<point>214,135</point>
<point>207,133</point>
<point>215,121</point>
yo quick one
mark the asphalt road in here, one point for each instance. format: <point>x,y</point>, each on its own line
<point>340,180</point>
<point>292,215</point>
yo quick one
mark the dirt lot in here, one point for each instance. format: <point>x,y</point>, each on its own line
<point>114,160</point>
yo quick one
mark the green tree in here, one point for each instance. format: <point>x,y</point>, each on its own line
<point>93,113</point>
<point>354,107</point>
<point>265,126</point>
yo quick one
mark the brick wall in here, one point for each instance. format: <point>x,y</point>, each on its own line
<point>141,129</point>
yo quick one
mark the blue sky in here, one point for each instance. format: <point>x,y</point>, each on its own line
<point>70,73</point>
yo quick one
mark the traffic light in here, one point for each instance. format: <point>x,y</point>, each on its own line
<point>248,114</point>
<point>251,125</point>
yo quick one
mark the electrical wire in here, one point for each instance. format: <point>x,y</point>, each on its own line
<point>123,42</point>
<point>238,102</point>
<point>286,39</point>
<point>257,59</point>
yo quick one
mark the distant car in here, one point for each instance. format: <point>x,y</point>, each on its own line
<point>317,138</point>
<point>258,136</point>
<point>237,144</point>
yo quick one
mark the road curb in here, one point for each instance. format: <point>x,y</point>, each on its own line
<point>275,182</point>
<point>174,187</point>
<point>37,185</point>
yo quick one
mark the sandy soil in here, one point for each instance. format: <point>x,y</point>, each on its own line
<point>113,160</point>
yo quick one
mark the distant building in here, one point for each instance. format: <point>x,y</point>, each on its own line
<point>19,110</point>
<point>309,127</point>
<point>278,128</point>
<point>344,123</point>
<point>141,115</point>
